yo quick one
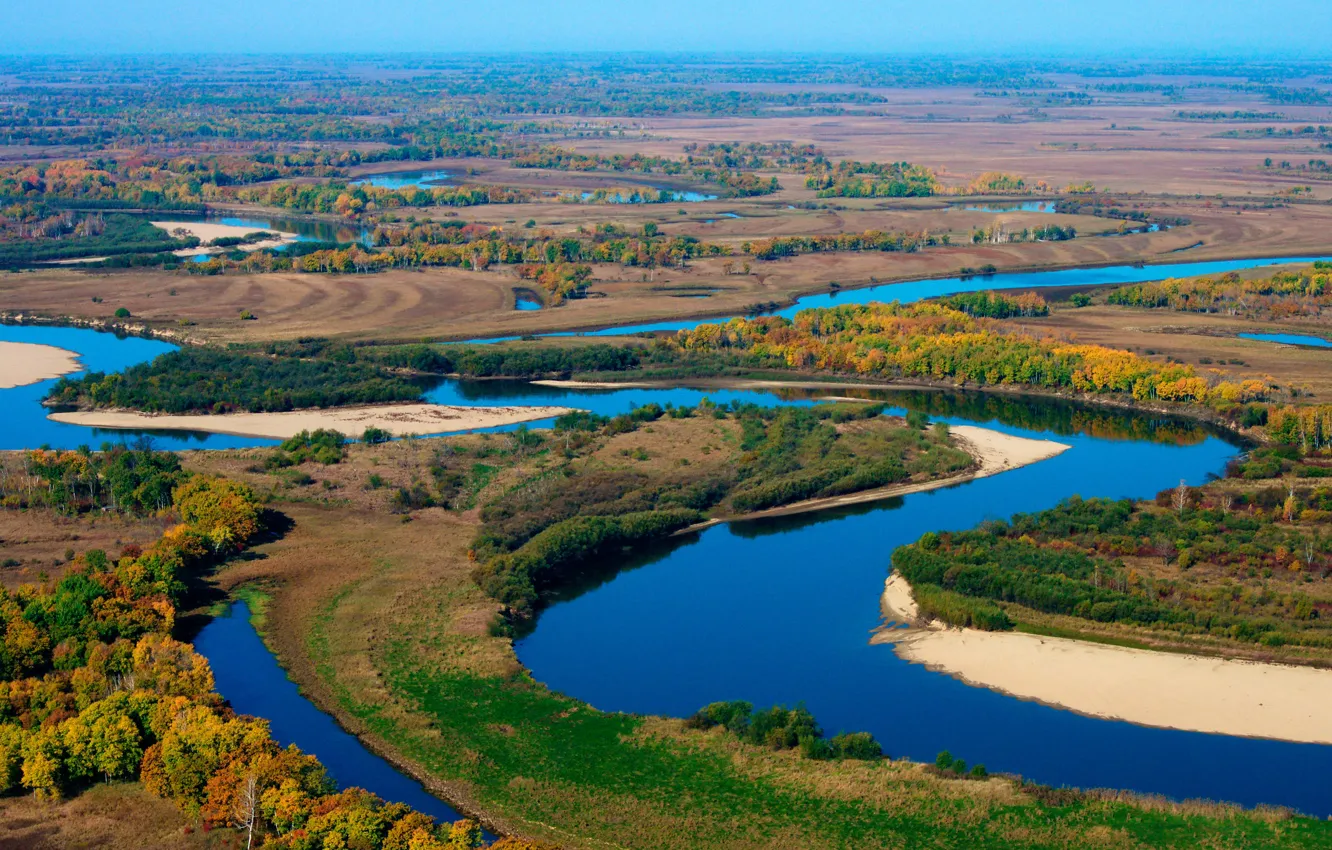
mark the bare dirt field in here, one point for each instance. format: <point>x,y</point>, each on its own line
<point>1147,153</point>
<point>458,304</point>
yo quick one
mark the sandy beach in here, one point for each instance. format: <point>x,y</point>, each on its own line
<point>23,363</point>
<point>397,419</point>
<point>897,603</point>
<point>1170,690</point>
<point>996,451</point>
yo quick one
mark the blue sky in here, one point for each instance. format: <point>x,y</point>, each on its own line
<point>1068,27</point>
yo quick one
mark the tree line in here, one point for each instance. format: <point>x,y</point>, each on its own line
<point>1281,295</point>
<point>933,341</point>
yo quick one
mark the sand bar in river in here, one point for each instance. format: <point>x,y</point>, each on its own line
<point>397,419</point>
<point>23,363</point>
<point>207,231</point>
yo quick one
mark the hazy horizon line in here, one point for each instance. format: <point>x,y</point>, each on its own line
<point>1286,55</point>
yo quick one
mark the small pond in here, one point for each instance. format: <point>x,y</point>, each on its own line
<point>647,195</point>
<point>1290,339</point>
<point>402,179</point>
<point>1009,206</point>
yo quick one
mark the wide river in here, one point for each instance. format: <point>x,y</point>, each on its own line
<point>781,610</point>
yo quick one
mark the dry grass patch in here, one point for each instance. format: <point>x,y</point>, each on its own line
<point>108,817</point>
<point>36,544</point>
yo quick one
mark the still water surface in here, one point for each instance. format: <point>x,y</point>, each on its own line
<point>402,179</point>
<point>1290,339</point>
<point>250,678</point>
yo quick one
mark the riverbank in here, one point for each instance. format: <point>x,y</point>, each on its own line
<point>993,452</point>
<point>1174,691</point>
<point>23,363</point>
<point>399,420</point>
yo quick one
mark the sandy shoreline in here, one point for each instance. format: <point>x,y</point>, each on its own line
<point>23,363</point>
<point>398,419</point>
<point>994,452</point>
<point>592,385</point>
<point>207,231</point>
<point>1174,691</point>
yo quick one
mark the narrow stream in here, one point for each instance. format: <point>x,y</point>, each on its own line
<point>250,678</point>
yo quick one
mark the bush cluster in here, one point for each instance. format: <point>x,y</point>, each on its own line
<point>782,728</point>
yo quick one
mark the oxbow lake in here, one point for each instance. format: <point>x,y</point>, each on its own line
<point>1290,339</point>
<point>425,178</point>
<point>1011,206</point>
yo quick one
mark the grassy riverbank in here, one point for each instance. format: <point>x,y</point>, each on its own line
<point>382,624</point>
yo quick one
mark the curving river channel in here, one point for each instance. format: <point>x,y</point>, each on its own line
<point>780,610</point>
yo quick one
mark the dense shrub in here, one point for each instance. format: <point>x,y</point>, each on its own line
<point>320,446</point>
<point>210,381</point>
<point>782,728</point>
<point>958,610</point>
<point>491,361</point>
<point>516,579</point>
